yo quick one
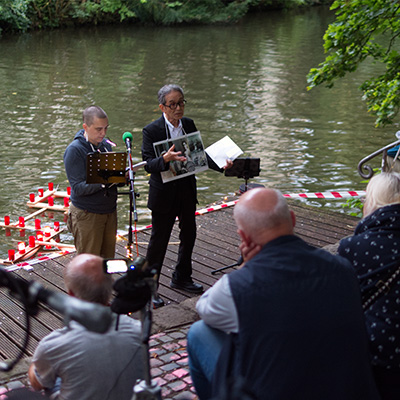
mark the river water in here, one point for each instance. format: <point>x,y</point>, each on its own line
<point>247,81</point>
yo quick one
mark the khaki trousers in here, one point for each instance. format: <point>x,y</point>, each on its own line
<point>93,233</point>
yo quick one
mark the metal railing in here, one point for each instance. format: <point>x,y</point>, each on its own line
<point>370,172</point>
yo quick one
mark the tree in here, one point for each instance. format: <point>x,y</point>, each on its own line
<point>364,29</point>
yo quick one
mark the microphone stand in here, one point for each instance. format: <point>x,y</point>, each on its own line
<point>132,199</point>
<point>133,216</point>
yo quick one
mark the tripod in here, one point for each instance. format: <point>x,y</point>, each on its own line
<point>144,389</point>
<point>135,291</point>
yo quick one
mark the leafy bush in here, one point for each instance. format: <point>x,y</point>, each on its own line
<point>21,15</point>
<point>13,15</point>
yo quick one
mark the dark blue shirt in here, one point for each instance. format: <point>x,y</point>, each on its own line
<point>91,197</point>
<point>374,251</point>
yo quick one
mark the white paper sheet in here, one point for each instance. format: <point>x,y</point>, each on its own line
<point>222,150</point>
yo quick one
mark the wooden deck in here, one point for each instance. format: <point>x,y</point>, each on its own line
<point>216,246</point>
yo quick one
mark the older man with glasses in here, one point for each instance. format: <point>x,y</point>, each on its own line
<point>177,198</point>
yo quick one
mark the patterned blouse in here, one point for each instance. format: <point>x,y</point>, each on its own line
<point>374,251</point>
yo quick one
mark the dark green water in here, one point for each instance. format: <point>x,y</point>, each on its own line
<point>247,81</point>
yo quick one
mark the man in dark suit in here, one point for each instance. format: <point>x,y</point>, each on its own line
<point>177,198</point>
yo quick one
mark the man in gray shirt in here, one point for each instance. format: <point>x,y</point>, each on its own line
<point>73,363</point>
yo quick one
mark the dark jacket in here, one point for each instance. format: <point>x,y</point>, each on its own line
<point>90,197</point>
<point>162,196</point>
<point>301,328</point>
<point>374,251</point>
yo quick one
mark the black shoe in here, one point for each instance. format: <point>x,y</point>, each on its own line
<point>157,301</point>
<point>188,285</point>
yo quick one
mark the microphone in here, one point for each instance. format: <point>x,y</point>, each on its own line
<point>94,317</point>
<point>127,138</point>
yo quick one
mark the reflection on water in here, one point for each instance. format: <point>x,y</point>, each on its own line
<point>247,81</point>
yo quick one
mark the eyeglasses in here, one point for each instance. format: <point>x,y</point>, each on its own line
<point>173,106</point>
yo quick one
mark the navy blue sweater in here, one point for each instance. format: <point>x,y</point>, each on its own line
<point>90,197</point>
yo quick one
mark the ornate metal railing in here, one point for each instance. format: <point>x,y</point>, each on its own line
<point>370,172</point>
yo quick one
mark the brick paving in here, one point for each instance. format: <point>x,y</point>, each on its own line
<point>168,362</point>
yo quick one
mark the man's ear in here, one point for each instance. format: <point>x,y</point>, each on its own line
<point>85,127</point>
<point>292,214</point>
<point>245,238</point>
<point>161,106</point>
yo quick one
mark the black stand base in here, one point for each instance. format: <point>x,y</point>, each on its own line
<point>236,264</point>
<point>244,187</point>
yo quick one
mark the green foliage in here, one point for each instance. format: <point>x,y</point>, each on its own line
<point>13,15</point>
<point>364,29</point>
<point>355,206</point>
<point>57,13</point>
<point>20,15</point>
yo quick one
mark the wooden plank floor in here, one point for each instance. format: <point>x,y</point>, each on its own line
<point>216,246</point>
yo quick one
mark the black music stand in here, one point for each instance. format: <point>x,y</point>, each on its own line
<point>246,168</point>
<point>242,168</point>
<point>106,168</point>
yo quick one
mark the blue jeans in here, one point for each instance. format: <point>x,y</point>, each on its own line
<point>204,347</point>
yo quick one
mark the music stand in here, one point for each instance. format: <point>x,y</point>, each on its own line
<point>106,168</point>
<point>244,167</point>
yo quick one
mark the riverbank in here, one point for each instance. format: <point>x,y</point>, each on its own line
<point>33,15</point>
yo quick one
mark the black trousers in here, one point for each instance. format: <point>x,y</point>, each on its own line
<point>162,223</point>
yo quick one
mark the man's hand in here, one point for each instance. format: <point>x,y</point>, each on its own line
<point>32,378</point>
<point>228,164</point>
<point>172,155</point>
<point>249,250</point>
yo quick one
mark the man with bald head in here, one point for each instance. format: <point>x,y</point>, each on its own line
<point>288,324</point>
<point>73,363</point>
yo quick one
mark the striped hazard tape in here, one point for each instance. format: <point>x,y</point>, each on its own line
<point>326,195</point>
<point>318,195</point>
<point>202,211</point>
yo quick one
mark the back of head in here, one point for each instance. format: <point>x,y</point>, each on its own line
<point>85,279</point>
<point>166,89</point>
<point>92,112</point>
<point>382,190</point>
<point>263,213</point>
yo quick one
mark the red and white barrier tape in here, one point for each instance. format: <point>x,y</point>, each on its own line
<point>320,195</point>
<point>326,195</point>
<point>27,264</point>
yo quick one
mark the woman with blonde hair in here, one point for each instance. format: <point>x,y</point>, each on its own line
<point>374,251</point>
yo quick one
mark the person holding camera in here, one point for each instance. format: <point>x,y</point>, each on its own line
<point>73,363</point>
<point>288,324</point>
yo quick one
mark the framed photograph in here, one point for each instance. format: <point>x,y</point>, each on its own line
<point>191,146</point>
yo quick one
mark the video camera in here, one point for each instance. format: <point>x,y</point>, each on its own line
<point>135,288</point>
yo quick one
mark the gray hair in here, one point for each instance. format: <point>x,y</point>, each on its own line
<point>92,112</point>
<point>84,277</point>
<point>256,220</point>
<point>382,190</point>
<point>167,89</point>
